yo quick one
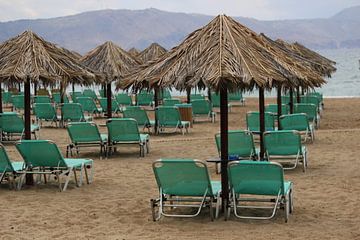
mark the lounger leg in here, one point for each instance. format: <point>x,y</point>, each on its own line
<point>67,179</point>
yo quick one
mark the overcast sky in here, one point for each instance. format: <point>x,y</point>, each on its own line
<point>260,9</point>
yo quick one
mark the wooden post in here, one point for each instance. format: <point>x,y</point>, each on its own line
<point>291,103</point>
<point>188,92</point>
<point>35,89</point>
<point>104,87</point>
<point>209,94</point>
<point>19,87</point>
<point>262,121</point>
<point>224,146</point>
<point>108,97</point>
<point>156,103</point>
<point>298,94</point>
<point>27,116</point>
<point>73,88</point>
<point>279,106</point>
<point>1,107</point>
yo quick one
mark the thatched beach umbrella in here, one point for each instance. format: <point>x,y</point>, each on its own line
<point>28,58</point>
<point>134,52</point>
<point>224,55</point>
<point>113,62</point>
<point>151,53</point>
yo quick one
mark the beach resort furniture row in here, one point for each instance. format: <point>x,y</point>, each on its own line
<point>283,146</point>
<point>298,121</point>
<point>43,158</point>
<point>186,183</point>
<point>120,131</point>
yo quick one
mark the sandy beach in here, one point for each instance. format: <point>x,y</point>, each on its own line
<point>116,205</point>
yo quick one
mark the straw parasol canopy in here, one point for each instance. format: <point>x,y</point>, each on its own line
<point>110,60</point>
<point>223,52</point>
<point>152,52</point>
<point>327,65</point>
<point>30,56</point>
<point>134,52</point>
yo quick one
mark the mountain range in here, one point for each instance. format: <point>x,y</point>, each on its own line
<point>139,28</point>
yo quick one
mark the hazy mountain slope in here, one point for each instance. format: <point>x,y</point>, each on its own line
<point>139,28</point>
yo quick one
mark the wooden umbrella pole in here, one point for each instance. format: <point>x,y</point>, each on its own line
<point>279,106</point>
<point>188,92</point>
<point>224,146</point>
<point>298,94</point>
<point>156,103</point>
<point>29,177</point>
<point>73,87</point>
<point>291,101</point>
<point>1,107</point>
<point>35,89</point>
<point>209,94</point>
<point>262,121</point>
<point>108,97</point>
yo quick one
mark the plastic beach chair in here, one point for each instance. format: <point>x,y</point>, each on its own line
<point>264,183</point>
<point>13,172</point>
<point>144,98</point>
<point>115,108</point>
<point>85,134</point>
<point>126,131</point>
<point>140,116</point>
<point>298,122</point>
<point>253,122</point>
<point>42,99</point>
<point>171,101</point>
<point>215,101</point>
<point>311,110</point>
<point>43,157</point>
<point>202,107</point>
<point>88,105</point>
<point>18,102</point>
<point>72,112</point>
<point>285,145</point>
<point>272,108</point>
<point>236,97</point>
<point>184,183</point>
<point>123,99</point>
<point>90,93</point>
<point>75,95</point>
<point>169,117</point>
<point>45,112</point>
<point>57,99</point>
<point>11,124</point>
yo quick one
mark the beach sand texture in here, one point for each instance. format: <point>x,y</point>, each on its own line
<point>116,205</point>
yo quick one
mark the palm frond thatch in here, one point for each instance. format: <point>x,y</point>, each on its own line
<point>223,52</point>
<point>134,52</point>
<point>327,64</point>
<point>151,53</point>
<point>110,60</point>
<point>29,56</point>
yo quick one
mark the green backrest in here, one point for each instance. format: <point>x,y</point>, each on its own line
<point>124,99</point>
<point>123,130</point>
<point>40,153</point>
<point>298,121</point>
<point>235,96</point>
<point>284,142</point>
<point>316,94</point>
<point>165,93</point>
<point>42,99</point>
<point>103,104</point>
<point>260,178</point>
<point>75,95</point>
<point>201,106</point>
<point>272,108</point>
<point>197,97</point>
<point>215,99</point>
<point>11,122</point>
<point>56,98</point>
<point>72,112</point>
<point>144,98</point>
<point>253,121</point>
<point>182,177</point>
<point>87,104</point>
<point>44,111</point>
<point>5,164</point>
<point>309,109</point>
<point>101,92</point>
<point>89,93</point>
<point>171,102</point>
<point>168,116</point>
<point>18,101</point>
<point>83,132</point>
<point>311,100</point>
<point>240,143</point>
<point>138,114</point>
<point>6,97</point>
